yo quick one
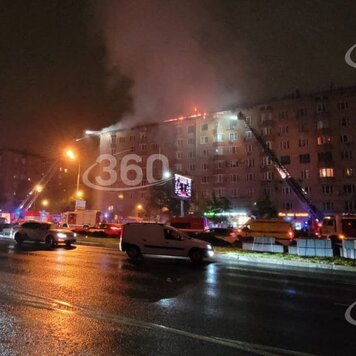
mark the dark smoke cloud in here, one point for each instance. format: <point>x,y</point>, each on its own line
<point>178,55</point>
<point>213,54</point>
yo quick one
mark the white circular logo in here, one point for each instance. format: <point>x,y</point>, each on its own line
<point>128,164</point>
<point>348,316</point>
<point>348,58</point>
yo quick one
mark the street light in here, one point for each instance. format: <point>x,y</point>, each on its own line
<point>72,156</point>
<point>38,188</point>
<point>166,174</point>
<point>139,208</point>
<point>79,194</point>
<point>45,202</point>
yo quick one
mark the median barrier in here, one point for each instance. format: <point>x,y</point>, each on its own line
<point>263,244</point>
<point>314,248</point>
<point>348,249</point>
<point>293,250</point>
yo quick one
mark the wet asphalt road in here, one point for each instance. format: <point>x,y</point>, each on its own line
<point>93,301</point>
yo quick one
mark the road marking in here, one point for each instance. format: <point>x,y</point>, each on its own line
<point>40,302</point>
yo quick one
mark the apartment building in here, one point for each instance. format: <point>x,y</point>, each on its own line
<point>312,135</point>
<point>21,170</point>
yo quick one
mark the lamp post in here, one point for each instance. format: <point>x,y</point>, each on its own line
<point>139,208</point>
<point>72,156</point>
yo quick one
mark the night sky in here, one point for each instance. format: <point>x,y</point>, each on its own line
<point>66,66</point>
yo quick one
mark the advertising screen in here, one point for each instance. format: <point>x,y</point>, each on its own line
<point>182,187</point>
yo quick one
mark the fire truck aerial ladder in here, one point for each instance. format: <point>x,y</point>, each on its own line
<point>32,196</point>
<point>284,173</point>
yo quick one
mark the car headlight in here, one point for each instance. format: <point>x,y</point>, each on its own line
<point>61,235</point>
<point>75,235</point>
<point>209,247</point>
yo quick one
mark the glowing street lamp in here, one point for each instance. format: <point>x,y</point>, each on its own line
<point>79,194</point>
<point>72,156</point>
<point>45,202</point>
<point>38,188</point>
<point>166,174</point>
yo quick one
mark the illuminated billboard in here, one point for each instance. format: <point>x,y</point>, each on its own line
<point>182,187</point>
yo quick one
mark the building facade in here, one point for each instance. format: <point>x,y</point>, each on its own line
<point>312,135</point>
<point>21,171</point>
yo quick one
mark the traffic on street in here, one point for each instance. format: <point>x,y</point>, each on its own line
<point>95,301</point>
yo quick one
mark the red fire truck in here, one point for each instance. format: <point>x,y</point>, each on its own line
<point>81,219</point>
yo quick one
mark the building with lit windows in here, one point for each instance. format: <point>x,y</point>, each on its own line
<point>21,170</point>
<point>313,136</point>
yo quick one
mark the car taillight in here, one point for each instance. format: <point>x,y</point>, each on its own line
<point>114,228</point>
<point>291,234</point>
<point>232,234</point>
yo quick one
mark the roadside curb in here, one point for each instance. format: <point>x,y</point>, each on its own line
<point>234,258</point>
<point>286,263</point>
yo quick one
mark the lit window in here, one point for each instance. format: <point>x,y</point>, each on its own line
<point>348,172</point>
<point>326,172</point>
<point>322,140</point>
<point>219,138</point>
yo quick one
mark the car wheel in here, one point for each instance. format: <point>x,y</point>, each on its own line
<point>196,255</point>
<point>19,239</point>
<point>133,252</point>
<point>50,242</point>
<point>68,244</point>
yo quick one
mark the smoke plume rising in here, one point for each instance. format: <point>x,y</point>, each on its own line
<point>178,55</point>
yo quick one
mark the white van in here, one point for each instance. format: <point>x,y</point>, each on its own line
<point>139,239</point>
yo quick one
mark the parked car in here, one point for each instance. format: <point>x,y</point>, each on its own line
<point>138,239</point>
<point>106,230</point>
<point>47,233</point>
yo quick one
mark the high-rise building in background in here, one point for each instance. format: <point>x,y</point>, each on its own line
<point>21,171</point>
<point>312,135</point>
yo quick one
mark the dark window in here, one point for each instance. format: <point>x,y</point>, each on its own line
<point>285,159</point>
<point>304,158</point>
<point>349,188</point>
<point>325,156</point>
<point>327,189</point>
<point>171,235</point>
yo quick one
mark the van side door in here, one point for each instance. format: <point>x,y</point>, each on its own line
<point>174,243</point>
